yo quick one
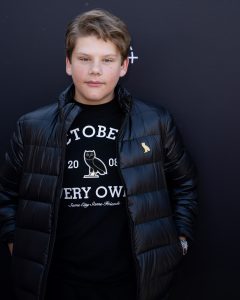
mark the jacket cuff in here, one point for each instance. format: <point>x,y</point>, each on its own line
<point>7,233</point>
<point>186,233</point>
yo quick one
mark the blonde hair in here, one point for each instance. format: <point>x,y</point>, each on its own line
<point>101,24</point>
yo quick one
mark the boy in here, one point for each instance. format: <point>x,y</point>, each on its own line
<point>97,193</point>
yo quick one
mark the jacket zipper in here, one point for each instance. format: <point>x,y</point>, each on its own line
<point>127,208</point>
<point>56,206</point>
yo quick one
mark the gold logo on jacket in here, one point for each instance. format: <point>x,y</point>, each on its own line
<point>145,148</point>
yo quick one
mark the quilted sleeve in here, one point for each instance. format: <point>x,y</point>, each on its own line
<point>181,179</point>
<point>10,174</point>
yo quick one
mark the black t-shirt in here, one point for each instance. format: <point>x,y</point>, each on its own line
<point>93,236</point>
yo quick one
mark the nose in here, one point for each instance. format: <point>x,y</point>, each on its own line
<point>95,68</point>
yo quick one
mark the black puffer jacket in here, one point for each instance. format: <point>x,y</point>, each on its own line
<point>160,187</point>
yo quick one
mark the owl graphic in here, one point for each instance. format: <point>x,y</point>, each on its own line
<point>96,165</point>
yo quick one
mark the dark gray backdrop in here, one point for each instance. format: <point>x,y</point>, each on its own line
<point>189,62</point>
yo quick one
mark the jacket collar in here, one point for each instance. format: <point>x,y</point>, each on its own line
<point>123,96</point>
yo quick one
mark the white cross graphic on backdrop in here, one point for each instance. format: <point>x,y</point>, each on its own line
<point>132,57</point>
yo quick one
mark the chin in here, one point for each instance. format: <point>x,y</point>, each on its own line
<point>94,96</point>
<point>97,98</point>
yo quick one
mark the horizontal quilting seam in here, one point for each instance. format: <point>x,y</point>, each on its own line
<point>166,273</point>
<point>155,248</point>
<point>38,173</point>
<point>142,193</point>
<point>34,230</point>
<point>138,111</point>
<point>26,120</point>
<point>140,137</point>
<point>42,146</point>
<point>154,220</point>
<point>25,290</point>
<point>35,201</point>
<point>142,164</point>
<point>29,259</point>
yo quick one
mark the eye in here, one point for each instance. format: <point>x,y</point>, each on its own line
<point>108,60</point>
<point>84,59</point>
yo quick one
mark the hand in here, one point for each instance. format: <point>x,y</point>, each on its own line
<point>184,244</point>
<point>10,247</point>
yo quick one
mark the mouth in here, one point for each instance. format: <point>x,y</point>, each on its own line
<point>92,83</point>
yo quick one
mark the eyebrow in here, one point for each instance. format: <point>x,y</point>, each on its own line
<point>87,54</point>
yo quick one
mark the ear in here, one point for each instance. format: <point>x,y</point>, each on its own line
<point>124,67</point>
<point>68,67</point>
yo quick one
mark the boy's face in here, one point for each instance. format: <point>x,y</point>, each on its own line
<point>95,68</point>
